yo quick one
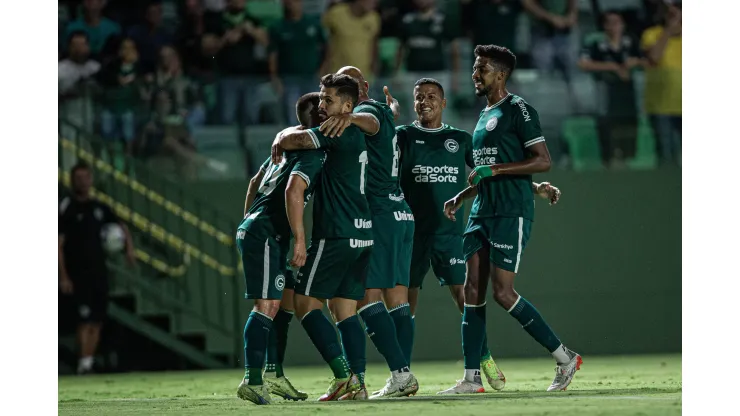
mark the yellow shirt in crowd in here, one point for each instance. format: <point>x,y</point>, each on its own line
<point>663,81</point>
<point>351,38</point>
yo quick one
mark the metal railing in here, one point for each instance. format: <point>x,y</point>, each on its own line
<point>185,246</point>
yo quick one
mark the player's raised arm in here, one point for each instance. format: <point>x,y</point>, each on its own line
<point>294,204</point>
<point>335,125</point>
<point>392,103</point>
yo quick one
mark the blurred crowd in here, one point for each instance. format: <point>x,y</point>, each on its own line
<point>146,74</point>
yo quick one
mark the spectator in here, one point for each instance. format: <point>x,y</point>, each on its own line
<point>662,47</point>
<point>353,36</point>
<point>297,44</point>
<point>76,83</point>
<point>169,75</point>
<point>151,36</point>
<point>552,45</point>
<point>492,22</point>
<point>82,270</point>
<point>190,32</point>
<point>239,32</point>
<point>165,138</point>
<point>423,36</point>
<point>122,95</point>
<point>611,61</point>
<point>98,28</point>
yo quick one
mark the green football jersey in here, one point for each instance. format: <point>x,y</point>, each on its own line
<point>432,172</point>
<point>383,186</point>
<point>267,217</point>
<point>502,135</point>
<point>340,208</point>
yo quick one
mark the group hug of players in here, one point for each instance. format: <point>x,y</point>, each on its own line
<point>386,206</point>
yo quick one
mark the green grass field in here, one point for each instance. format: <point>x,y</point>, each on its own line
<point>639,385</point>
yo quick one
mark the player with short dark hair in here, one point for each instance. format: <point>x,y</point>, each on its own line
<point>508,147</point>
<point>263,240</point>
<point>335,265</point>
<point>385,308</point>
<point>433,160</point>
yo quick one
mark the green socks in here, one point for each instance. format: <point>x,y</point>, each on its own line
<point>278,342</point>
<point>473,330</point>
<point>324,337</point>
<point>353,342</point>
<point>256,336</point>
<point>404,323</point>
<point>532,322</point>
<point>382,333</point>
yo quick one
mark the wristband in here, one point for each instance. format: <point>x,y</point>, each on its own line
<point>483,171</point>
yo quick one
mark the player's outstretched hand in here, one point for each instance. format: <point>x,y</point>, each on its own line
<point>299,254</point>
<point>451,207</point>
<point>334,126</point>
<point>388,97</point>
<point>549,192</point>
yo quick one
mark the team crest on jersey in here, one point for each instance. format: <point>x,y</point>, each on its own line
<point>451,146</point>
<point>492,123</point>
<point>280,282</point>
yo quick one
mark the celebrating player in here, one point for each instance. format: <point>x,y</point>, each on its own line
<point>433,160</point>
<point>335,265</point>
<point>263,240</point>
<point>388,324</point>
<point>508,147</point>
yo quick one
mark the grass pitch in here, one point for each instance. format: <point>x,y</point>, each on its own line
<point>640,385</point>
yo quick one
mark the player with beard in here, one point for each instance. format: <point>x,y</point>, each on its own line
<point>508,147</point>
<point>433,160</point>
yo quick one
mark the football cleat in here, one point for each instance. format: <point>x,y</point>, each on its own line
<point>564,372</point>
<point>257,394</point>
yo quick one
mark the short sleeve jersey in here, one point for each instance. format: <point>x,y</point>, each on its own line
<point>266,217</point>
<point>504,132</point>
<point>383,187</point>
<point>340,208</point>
<point>432,172</point>
<point>81,224</point>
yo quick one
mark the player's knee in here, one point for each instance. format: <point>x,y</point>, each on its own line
<point>397,296</point>
<point>505,297</point>
<point>267,307</point>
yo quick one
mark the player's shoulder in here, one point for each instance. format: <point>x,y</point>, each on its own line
<point>520,106</point>
<point>462,134</point>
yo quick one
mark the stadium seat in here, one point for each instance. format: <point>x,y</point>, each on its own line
<point>582,137</point>
<point>645,157</point>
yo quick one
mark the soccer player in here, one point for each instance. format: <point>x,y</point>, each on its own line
<point>433,160</point>
<point>388,324</point>
<point>508,147</point>
<point>263,240</point>
<point>335,265</point>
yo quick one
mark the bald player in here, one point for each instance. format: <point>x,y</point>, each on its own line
<point>388,324</point>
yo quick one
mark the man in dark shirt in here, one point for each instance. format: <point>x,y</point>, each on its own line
<point>151,36</point>
<point>611,60</point>
<point>82,270</point>
<point>297,44</point>
<point>239,32</point>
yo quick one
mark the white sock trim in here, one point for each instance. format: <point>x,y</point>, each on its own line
<point>395,308</point>
<point>287,311</point>
<point>515,303</point>
<point>369,305</point>
<point>304,316</point>
<point>474,306</point>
